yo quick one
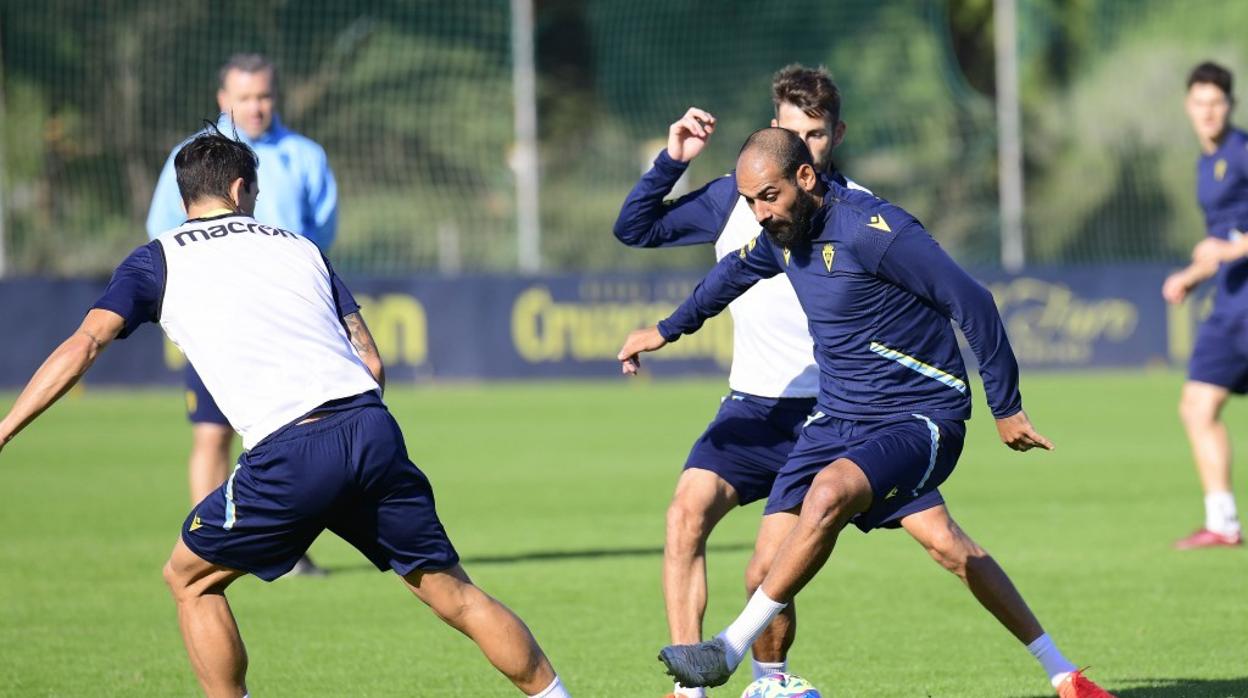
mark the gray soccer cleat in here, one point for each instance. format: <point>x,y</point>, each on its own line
<point>306,568</point>
<point>703,664</point>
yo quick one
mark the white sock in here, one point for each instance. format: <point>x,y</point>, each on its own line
<point>554,690</point>
<point>1220,514</point>
<point>740,635</point>
<point>762,669</point>
<point>1050,657</point>
<point>684,692</point>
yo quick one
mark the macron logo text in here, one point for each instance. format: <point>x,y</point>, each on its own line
<point>224,229</point>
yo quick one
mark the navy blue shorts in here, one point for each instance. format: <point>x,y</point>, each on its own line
<point>905,459</point>
<point>749,441</point>
<point>1220,356</point>
<point>347,472</point>
<point>200,407</point>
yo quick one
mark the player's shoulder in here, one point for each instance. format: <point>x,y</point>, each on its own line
<point>293,141</point>
<point>1238,142</point>
<point>862,218</point>
<point>858,209</point>
<point>722,194</point>
<point>147,261</point>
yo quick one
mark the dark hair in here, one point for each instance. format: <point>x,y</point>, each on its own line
<point>782,147</point>
<point>247,63</point>
<point>808,89</point>
<point>210,162</point>
<point>1213,74</point>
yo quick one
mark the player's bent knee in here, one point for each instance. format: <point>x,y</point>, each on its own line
<point>1199,408</point>
<point>954,550</point>
<point>448,593</point>
<point>1196,415</point>
<point>829,501</point>
<point>948,553</point>
<point>687,524</point>
<point>172,579</point>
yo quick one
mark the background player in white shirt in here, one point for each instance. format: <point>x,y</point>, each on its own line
<point>279,341</point>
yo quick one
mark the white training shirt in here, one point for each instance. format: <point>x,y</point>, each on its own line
<point>253,308</point>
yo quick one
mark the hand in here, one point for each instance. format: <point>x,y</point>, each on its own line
<point>1017,433</point>
<point>1175,288</point>
<point>687,137</point>
<point>1212,252</point>
<point>638,341</point>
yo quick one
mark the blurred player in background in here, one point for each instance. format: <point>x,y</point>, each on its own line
<point>1219,363</point>
<point>280,340</point>
<point>300,195</point>
<point>889,423</point>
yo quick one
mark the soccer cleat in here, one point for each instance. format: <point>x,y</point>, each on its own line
<point>306,568</point>
<point>703,664</point>
<point>1079,686</point>
<point>1204,538</point>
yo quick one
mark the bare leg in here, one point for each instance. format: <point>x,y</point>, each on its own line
<point>949,545</point>
<point>774,643</point>
<point>210,458</point>
<point>1200,409</point>
<point>208,628</point>
<point>839,491</point>
<point>501,635</point>
<point>701,500</point>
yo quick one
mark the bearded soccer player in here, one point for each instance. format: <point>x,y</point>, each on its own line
<point>1219,363</point>
<point>280,342</point>
<point>889,420</point>
<point>774,378</point>
<point>773,381</point>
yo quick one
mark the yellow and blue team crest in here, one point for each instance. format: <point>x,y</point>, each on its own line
<point>877,221</point>
<point>1219,169</point>
<point>779,685</point>
<point>829,253</point>
<point>747,247</point>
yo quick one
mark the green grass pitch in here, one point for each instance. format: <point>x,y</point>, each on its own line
<point>555,494</point>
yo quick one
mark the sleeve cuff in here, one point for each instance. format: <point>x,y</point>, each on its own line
<point>667,163</point>
<point>666,331</point>
<point>1007,412</point>
<point>112,307</point>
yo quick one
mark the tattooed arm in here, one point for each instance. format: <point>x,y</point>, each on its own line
<point>62,369</point>
<point>363,343</point>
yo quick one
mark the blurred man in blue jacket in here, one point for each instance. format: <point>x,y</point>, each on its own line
<point>299,195</point>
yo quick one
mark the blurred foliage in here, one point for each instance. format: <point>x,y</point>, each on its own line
<point>413,103</point>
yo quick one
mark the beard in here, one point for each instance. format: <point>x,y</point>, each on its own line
<point>796,230</point>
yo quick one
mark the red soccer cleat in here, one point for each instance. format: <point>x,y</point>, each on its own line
<point>1079,686</point>
<point>1204,538</point>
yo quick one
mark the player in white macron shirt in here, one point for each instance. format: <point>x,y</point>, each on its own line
<point>280,343</point>
<point>773,384</point>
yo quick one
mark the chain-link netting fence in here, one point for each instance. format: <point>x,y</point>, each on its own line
<point>413,102</point>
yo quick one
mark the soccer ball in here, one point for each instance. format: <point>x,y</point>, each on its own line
<point>781,686</point>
